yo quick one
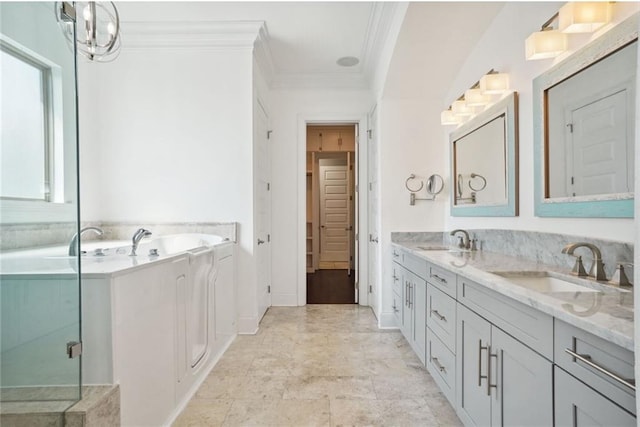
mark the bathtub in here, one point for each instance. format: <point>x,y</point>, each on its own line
<point>154,324</point>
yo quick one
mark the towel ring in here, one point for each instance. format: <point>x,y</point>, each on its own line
<point>484,182</point>
<point>406,184</point>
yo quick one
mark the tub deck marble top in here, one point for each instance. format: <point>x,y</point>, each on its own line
<point>606,313</point>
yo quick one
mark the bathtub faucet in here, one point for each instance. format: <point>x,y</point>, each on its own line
<point>137,236</point>
<point>75,240</point>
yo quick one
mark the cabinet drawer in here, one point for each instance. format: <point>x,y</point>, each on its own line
<point>396,278</point>
<point>608,356</point>
<point>442,279</point>
<point>441,316</point>
<point>441,363</point>
<point>415,264</point>
<point>577,405</point>
<point>528,325</point>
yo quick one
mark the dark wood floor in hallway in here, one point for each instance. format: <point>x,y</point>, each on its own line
<point>331,287</point>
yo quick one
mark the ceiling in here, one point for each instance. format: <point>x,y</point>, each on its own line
<point>305,39</point>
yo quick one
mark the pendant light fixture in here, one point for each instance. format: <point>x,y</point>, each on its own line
<point>97,28</point>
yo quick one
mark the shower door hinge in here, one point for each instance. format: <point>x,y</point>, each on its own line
<point>67,12</point>
<point>74,349</point>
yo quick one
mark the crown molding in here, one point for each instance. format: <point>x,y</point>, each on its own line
<point>198,34</point>
<point>263,56</point>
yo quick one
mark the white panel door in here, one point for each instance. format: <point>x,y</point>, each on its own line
<point>599,146</point>
<point>334,214</point>
<point>373,215</point>
<point>262,211</point>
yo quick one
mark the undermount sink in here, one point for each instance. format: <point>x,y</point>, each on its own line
<point>543,282</point>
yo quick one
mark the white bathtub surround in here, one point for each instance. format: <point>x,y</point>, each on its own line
<point>124,230</point>
<point>533,245</point>
<point>154,324</point>
<point>20,236</point>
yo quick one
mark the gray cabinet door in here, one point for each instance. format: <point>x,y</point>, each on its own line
<point>577,405</point>
<point>524,384</point>
<point>419,308</point>
<point>473,397</point>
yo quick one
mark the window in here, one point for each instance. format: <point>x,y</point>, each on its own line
<point>25,126</point>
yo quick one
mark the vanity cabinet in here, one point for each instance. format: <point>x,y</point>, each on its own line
<point>410,272</point>
<point>500,380</point>
<point>577,405</point>
<point>598,368</point>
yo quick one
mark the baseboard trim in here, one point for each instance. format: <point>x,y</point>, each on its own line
<point>284,300</point>
<point>387,321</point>
<point>247,325</point>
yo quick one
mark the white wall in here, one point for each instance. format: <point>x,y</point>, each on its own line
<point>502,48</point>
<point>409,131</point>
<point>167,136</point>
<point>288,109</point>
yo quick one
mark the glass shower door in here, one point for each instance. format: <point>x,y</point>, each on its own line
<point>39,281</point>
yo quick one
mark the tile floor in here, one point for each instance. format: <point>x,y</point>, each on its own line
<point>319,365</point>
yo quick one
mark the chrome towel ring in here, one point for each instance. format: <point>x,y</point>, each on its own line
<point>406,184</point>
<point>483,185</point>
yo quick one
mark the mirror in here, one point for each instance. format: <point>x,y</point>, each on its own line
<point>584,129</point>
<point>484,162</point>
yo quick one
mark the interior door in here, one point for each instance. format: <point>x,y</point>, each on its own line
<point>373,215</point>
<point>599,147</point>
<point>263,210</point>
<point>355,218</point>
<point>334,213</point>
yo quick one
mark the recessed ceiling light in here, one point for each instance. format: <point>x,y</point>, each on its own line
<point>348,61</point>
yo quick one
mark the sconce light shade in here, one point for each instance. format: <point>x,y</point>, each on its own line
<point>583,17</point>
<point>494,84</point>
<point>545,44</point>
<point>476,98</point>
<point>461,109</point>
<point>448,118</point>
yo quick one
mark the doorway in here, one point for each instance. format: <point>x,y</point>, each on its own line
<point>331,221</point>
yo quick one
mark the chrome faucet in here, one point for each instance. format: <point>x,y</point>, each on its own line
<point>137,236</point>
<point>597,267</point>
<point>466,242</point>
<point>74,243</point>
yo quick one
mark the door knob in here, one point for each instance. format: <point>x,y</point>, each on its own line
<point>260,241</point>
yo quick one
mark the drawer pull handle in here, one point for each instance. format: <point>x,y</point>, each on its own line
<point>436,362</point>
<point>438,315</point>
<point>480,376</point>
<point>585,358</point>
<point>438,278</point>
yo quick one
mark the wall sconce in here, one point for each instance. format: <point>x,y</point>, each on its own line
<point>546,43</point>
<point>476,98</point>
<point>584,17</point>
<point>573,17</point>
<point>97,28</point>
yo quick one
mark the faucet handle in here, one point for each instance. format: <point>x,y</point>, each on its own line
<point>578,268</point>
<point>620,277</point>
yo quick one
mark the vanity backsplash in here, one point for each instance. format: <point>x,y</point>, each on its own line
<point>536,246</point>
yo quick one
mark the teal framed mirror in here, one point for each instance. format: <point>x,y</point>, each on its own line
<point>484,162</point>
<point>584,129</point>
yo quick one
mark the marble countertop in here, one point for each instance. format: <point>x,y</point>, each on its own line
<point>601,309</point>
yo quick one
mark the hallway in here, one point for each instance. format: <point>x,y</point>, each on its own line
<point>320,365</point>
<point>331,287</point>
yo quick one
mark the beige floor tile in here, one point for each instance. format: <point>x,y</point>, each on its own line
<point>279,413</point>
<point>317,365</point>
<point>406,412</point>
<point>329,387</point>
<point>199,413</point>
